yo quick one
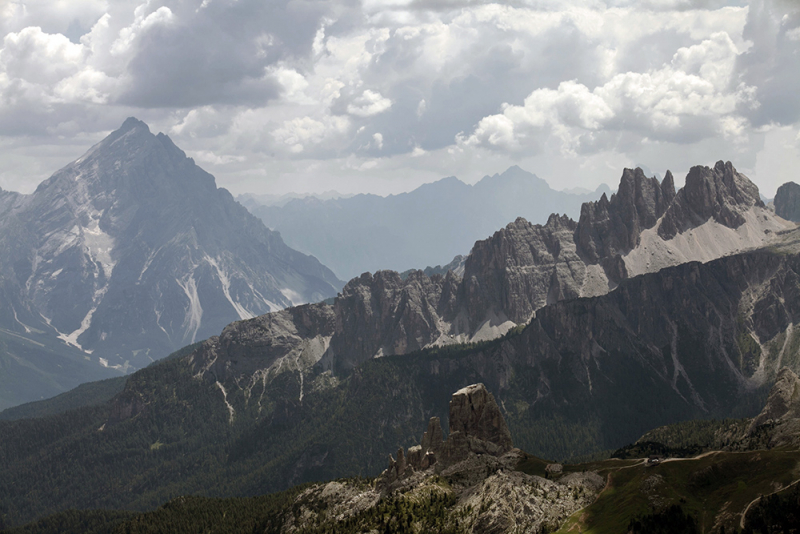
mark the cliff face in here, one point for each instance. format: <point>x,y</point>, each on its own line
<point>609,228</point>
<point>721,193</point>
<point>589,374</point>
<point>787,202</point>
<point>478,464</point>
<point>778,424</point>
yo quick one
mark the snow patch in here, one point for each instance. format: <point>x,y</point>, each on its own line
<point>119,367</point>
<point>272,306</point>
<point>26,327</point>
<point>72,338</point>
<point>148,262</point>
<point>158,317</point>
<point>99,244</point>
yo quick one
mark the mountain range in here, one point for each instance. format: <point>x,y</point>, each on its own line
<point>657,306</point>
<point>427,226</point>
<point>127,254</point>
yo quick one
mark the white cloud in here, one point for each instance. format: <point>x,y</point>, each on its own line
<point>276,87</point>
<point>297,134</point>
<point>686,100</point>
<point>37,57</point>
<point>368,104</point>
<point>142,22</point>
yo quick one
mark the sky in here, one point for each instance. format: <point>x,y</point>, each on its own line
<point>381,96</point>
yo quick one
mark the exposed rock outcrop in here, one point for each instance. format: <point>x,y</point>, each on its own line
<point>132,252</point>
<point>608,228</point>
<point>787,202</point>
<point>720,193</point>
<point>476,427</point>
<point>779,422</point>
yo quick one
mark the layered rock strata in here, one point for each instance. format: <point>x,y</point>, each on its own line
<point>778,423</point>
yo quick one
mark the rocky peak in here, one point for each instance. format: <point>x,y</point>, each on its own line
<point>513,271</point>
<point>476,427</point>
<point>131,252</point>
<point>787,202</point>
<point>382,314</point>
<point>474,413</point>
<point>720,193</point>
<point>611,227</point>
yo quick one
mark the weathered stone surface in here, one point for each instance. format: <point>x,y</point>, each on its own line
<point>475,414</point>
<point>132,252</point>
<point>507,277</point>
<point>521,268</point>
<point>611,227</point>
<point>432,439</point>
<point>787,202</point>
<point>382,314</point>
<point>490,495</point>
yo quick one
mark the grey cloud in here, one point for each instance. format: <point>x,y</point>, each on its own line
<point>772,64</point>
<point>216,55</point>
<point>454,103</point>
<point>650,54</point>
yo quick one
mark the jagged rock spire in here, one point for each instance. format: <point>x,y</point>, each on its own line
<point>476,427</point>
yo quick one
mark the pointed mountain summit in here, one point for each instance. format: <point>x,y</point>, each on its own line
<point>131,252</point>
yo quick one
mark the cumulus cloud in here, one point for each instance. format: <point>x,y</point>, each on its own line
<point>689,99</point>
<point>304,84</point>
<point>368,104</point>
<point>772,63</point>
<point>299,133</point>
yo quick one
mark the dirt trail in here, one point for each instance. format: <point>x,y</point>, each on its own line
<point>747,508</point>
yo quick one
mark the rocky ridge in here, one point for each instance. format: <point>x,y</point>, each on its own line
<point>699,340</point>
<point>646,226</point>
<point>423,227</point>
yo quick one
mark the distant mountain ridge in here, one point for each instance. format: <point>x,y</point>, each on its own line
<point>427,226</point>
<point>643,228</point>
<point>132,252</point>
